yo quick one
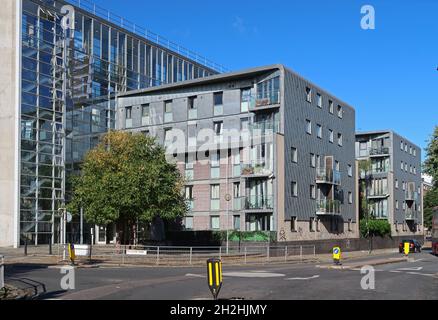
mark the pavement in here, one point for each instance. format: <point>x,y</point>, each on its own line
<point>411,279</point>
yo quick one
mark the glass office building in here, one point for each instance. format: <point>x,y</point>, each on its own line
<point>68,82</point>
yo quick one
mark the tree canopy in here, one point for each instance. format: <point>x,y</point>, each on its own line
<point>126,179</point>
<point>431,164</point>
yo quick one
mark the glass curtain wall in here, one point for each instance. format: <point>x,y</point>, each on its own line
<point>58,129</point>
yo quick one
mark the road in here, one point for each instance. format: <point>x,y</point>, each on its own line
<point>417,279</point>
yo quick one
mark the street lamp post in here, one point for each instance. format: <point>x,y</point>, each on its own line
<point>63,214</point>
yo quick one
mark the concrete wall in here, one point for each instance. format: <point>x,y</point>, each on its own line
<point>10,23</point>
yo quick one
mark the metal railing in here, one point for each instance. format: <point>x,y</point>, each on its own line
<point>255,167</point>
<point>379,151</point>
<point>411,214</point>
<point>105,14</point>
<point>167,255</point>
<point>258,203</point>
<point>259,100</point>
<point>330,176</point>
<point>328,206</point>
<point>411,195</point>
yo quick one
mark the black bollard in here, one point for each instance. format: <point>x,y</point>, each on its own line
<point>50,245</point>
<point>25,246</point>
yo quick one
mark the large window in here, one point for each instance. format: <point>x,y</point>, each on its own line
<point>245,100</point>
<point>215,222</point>
<point>192,107</point>
<point>215,197</point>
<point>218,104</point>
<point>168,114</point>
<point>268,92</point>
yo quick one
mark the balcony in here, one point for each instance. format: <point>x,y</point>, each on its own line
<point>263,128</point>
<point>328,176</point>
<point>258,202</point>
<point>260,102</point>
<point>256,168</point>
<point>411,196</point>
<point>328,207</point>
<point>411,215</point>
<point>377,194</point>
<point>379,152</point>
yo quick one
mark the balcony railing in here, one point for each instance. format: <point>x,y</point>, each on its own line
<point>411,196</point>
<point>378,193</point>
<point>259,101</point>
<point>256,167</point>
<point>411,214</point>
<point>327,206</point>
<point>379,151</point>
<point>259,203</point>
<point>328,176</point>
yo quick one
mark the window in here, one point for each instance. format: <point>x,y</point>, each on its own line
<point>188,225</point>
<point>128,113</point>
<point>340,142</point>
<point>308,94</point>
<point>245,100</point>
<point>319,131</point>
<point>331,107</point>
<point>192,107</point>
<point>406,167</point>
<point>293,224</point>
<point>189,192</point>
<point>294,189</point>
<point>218,109</point>
<point>415,170</point>
<point>404,205</point>
<point>396,183</point>
<point>309,126</point>
<point>215,222</point>
<point>312,160</point>
<point>404,186</point>
<point>350,197</point>
<point>410,169</point>
<point>319,97</point>
<point>215,197</point>
<point>401,165</point>
<point>396,204</point>
<point>312,192</point>
<point>215,169</point>
<point>410,149</point>
<point>294,155</point>
<point>331,136</point>
<point>236,190</point>
<point>340,112</point>
<point>168,116</point>
<point>350,224</point>
<point>236,222</point>
<point>406,147</point>
<point>337,166</point>
<point>415,152</point>
<point>218,126</point>
<point>318,160</point>
<point>350,170</point>
<point>401,145</point>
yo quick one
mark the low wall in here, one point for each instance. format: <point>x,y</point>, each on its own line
<point>208,238</point>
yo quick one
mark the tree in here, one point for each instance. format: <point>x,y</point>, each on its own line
<point>126,180</point>
<point>430,166</point>
<point>430,201</point>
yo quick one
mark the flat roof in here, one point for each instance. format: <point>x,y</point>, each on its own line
<point>372,132</point>
<point>235,75</point>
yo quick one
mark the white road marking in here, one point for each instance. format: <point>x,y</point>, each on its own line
<point>416,260</point>
<point>309,278</point>
<point>410,269</point>
<point>253,274</point>
<point>195,275</point>
<point>422,274</point>
<point>395,271</point>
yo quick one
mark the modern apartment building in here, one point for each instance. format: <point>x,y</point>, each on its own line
<point>58,85</point>
<point>261,150</point>
<point>394,184</point>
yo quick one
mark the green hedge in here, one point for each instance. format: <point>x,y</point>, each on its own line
<point>248,236</point>
<point>379,228</point>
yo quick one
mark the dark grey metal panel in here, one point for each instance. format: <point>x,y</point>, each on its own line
<point>296,111</point>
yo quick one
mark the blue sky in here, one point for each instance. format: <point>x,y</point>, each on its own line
<point>388,74</point>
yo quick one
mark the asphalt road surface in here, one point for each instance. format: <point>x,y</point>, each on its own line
<point>417,279</point>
